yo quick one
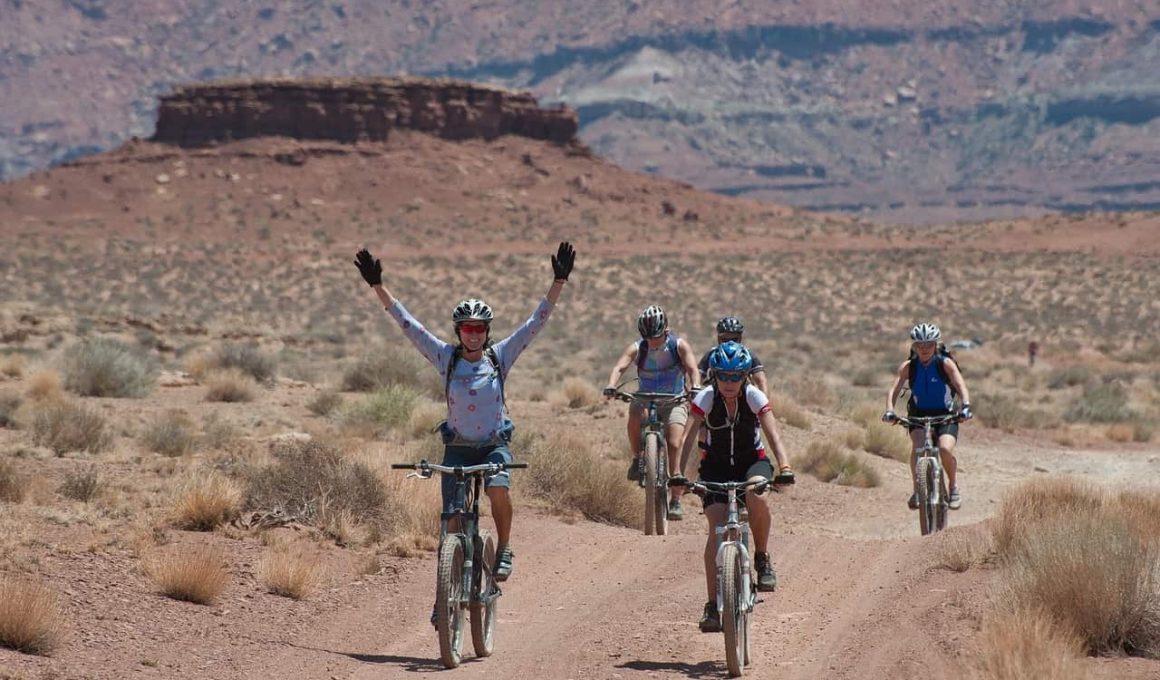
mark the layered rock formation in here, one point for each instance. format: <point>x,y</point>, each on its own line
<point>351,110</point>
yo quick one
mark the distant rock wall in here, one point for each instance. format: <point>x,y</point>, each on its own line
<point>352,110</point>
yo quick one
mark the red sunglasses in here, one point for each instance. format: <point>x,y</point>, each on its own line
<point>472,328</point>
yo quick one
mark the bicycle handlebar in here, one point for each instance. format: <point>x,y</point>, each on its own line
<point>717,486</point>
<point>484,469</point>
<point>660,397</point>
<point>923,420</point>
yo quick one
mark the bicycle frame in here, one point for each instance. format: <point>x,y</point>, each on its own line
<point>655,454</point>
<point>929,462</point>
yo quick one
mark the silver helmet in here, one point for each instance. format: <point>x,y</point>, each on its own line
<point>925,332</point>
<point>471,310</point>
<point>652,322</point>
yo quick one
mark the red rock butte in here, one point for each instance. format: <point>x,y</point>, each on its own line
<point>353,110</point>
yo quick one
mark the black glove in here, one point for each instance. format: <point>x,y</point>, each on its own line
<point>563,260</point>
<point>609,391</point>
<point>965,412</point>
<point>678,480</point>
<point>784,477</point>
<point>370,267</point>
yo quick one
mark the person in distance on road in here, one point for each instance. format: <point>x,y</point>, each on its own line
<point>736,414</point>
<point>477,429</point>
<point>664,365</point>
<point>934,380</point>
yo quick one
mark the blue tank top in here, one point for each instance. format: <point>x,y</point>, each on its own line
<point>931,392</point>
<point>662,371</point>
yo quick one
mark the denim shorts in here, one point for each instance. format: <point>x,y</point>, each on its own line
<point>475,455</point>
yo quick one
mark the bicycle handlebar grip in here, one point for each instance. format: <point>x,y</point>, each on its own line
<point>403,466</point>
<point>516,466</point>
<point>676,481</point>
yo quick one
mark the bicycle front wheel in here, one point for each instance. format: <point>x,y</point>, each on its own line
<point>448,601</point>
<point>940,510</point>
<point>733,618</point>
<point>650,483</point>
<point>484,597</point>
<point>661,499</point>
<point>923,472</point>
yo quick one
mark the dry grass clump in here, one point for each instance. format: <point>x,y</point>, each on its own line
<point>812,391</point>
<point>9,403</point>
<point>194,573</point>
<point>1069,376</point>
<point>1088,559</point>
<point>411,513</point>
<point>426,416</point>
<point>324,403</point>
<point>291,573</point>
<point>309,477</point>
<point>392,366</point>
<point>13,485</point>
<point>103,367</point>
<point>854,438</point>
<point>65,426</point>
<point>1008,413</point>
<point>564,470</point>
<point>829,462</point>
<point>12,365</point>
<point>960,548</point>
<point>45,386</point>
<point>579,393</point>
<point>31,620</point>
<point>788,412</point>
<point>378,413</point>
<point>170,434</point>
<point>81,484</point>
<point>1029,645</point>
<point>230,385</point>
<point>205,501</point>
<point>888,441</point>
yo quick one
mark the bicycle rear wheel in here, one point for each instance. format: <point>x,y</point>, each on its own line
<point>448,597</point>
<point>483,612</point>
<point>733,619</point>
<point>650,483</point>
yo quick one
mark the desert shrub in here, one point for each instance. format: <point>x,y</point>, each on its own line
<point>829,462</point>
<point>1069,376</point>
<point>170,434</point>
<point>1101,403</point>
<point>888,441</point>
<point>65,426</point>
<point>579,393</point>
<point>1025,644</point>
<point>1037,501</point>
<point>193,573</point>
<point>960,548</point>
<point>564,470</point>
<point>103,367</point>
<point>205,501</point>
<point>217,433</point>
<point>308,475</point>
<point>411,512</point>
<point>1096,576</point>
<point>31,620</point>
<point>290,573</point>
<point>45,386</point>
<point>1009,413</point>
<point>13,485</point>
<point>324,403</point>
<point>246,358</point>
<point>854,438</point>
<point>12,365</point>
<point>9,403</point>
<point>788,412</point>
<point>380,412</point>
<point>230,385</point>
<point>81,484</point>
<point>391,366</point>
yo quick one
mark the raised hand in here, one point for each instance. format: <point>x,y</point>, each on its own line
<point>563,260</point>
<point>370,267</point>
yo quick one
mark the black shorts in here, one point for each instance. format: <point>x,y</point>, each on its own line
<point>761,468</point>
<point>939,430</point>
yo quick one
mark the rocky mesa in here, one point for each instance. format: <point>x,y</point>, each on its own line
<point>354,110</point>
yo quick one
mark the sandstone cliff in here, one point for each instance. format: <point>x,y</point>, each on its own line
<point>351,110</point>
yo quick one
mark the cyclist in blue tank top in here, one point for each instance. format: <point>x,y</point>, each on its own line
<point>664,364</point>
<point>935,382</point>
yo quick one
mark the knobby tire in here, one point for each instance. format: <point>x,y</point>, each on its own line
<point>650,483</point>
<point>483,614</point>
<point>732,614</point>
<point>448,594</point>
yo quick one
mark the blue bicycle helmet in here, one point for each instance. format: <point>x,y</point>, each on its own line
<point>730,357</point>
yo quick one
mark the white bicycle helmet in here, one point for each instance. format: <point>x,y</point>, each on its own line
<point>925,332</point>
<point>471,310</point>
<point>652,322</point>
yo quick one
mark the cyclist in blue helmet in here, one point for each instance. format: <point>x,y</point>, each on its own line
<point>736,414</point>
<point>935,380</point>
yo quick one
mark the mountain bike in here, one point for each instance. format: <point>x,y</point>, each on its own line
<point>736,588</point>
<point>653,463</point>
<point>465,578</point>
<point>930,482</point>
